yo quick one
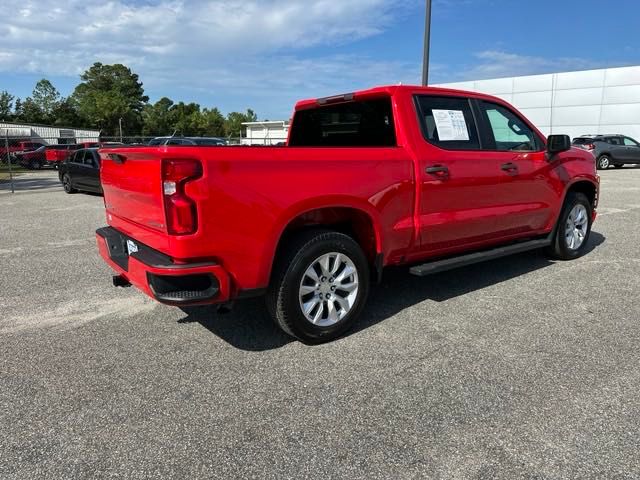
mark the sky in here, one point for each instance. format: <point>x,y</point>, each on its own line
<point>266,54</point>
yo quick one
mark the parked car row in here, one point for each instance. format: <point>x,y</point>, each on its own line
<point>49,155</point>
<point>10,153</point>
<point>616,150</point>
<point>35,155</point>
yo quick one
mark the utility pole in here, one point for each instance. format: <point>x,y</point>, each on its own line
<point>427,41</point>
<point>120,123</point>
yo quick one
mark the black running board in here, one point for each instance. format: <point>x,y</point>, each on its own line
<point>477,257</point>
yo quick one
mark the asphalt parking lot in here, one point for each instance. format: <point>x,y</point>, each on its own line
<point>518,368</point>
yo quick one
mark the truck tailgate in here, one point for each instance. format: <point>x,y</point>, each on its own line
<point>132,184</point>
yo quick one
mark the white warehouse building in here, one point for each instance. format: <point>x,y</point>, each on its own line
<point>572,103</point>
<point>47,134</point>
<point>265,133</point>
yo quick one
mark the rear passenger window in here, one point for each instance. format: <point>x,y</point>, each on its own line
<point>509,132</point>
<point>366,123</point>
<point>88,158</point>
<point>448,122</point>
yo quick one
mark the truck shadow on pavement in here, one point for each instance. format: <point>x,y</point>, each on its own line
<point>248,326</point>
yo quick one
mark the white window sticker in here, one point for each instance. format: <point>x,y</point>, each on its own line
<point>451,125</point>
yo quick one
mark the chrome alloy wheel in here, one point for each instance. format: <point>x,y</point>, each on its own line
<point>576,227</point>
<point>328,289</point>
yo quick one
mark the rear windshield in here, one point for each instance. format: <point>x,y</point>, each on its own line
<point>354,124</point>
<point>582,141</point>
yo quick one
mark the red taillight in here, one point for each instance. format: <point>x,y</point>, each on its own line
<point>180,210</point>
<point>590,146</point>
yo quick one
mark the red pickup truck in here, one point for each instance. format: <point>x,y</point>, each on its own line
<point>17,147</point>
<point>56,154</point>
<point>399,175</point>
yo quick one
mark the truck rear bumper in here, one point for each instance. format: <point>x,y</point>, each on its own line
<point>157,275</point>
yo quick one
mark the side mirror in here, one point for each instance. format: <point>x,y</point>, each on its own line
<point>558,143</point>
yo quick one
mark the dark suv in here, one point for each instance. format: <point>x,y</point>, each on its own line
<point>610,150</point>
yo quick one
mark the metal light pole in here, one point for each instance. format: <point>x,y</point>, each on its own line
<point>427,41</point>
<point>120,123</point>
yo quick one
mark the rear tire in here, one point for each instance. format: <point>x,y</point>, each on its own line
<point>305,298</point>
<point>603,162</point>
<point>67,185</point>
<point>35,165</point>
<point>573,229</point>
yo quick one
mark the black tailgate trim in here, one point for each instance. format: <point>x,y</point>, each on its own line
<point>117,242</point>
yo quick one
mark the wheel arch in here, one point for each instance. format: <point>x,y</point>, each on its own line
<point>360,222</point>
<point>588,187</point>
<point>585,185</point>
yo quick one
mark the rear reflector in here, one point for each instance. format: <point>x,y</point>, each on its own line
<point>169,187</point>
<point>180,210</point>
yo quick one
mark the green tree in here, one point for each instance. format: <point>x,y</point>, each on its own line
<point>164,118</point>
<point>213,122</point>
<point>65,114</point>
<point>17,110</point>
<point>30,112</point>
<point>109,93</point>
<point>233,123</point>
<point>46,98</point>
<point>156,118</point>
<point>6,105</point>
<point>186,118</point>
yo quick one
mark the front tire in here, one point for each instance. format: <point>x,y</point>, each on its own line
<point>603,162</point>
<point>319,286</point>
<point>573,228</point>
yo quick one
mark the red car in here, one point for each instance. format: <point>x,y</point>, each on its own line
<point>399,175</point>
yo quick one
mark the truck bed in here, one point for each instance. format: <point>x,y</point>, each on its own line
<point>246,196</point>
